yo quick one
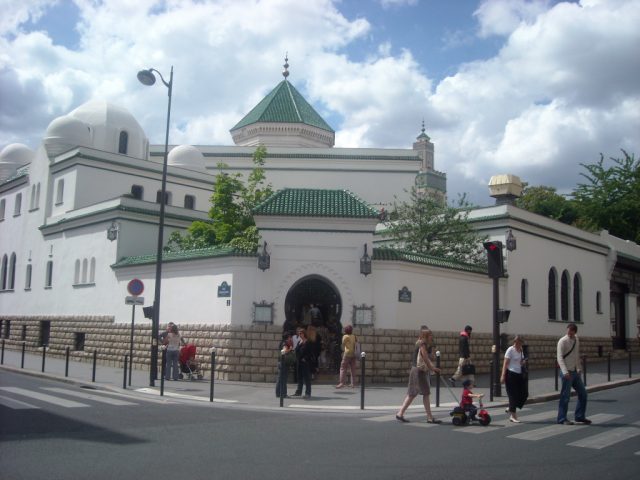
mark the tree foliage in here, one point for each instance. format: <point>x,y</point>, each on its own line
<point>232,201</point>
<point>428,225</point>
<point>545,201</point>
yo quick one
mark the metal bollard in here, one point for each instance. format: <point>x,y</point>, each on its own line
<point>438,378</point>
<point>282,379</point>
<point>124,380</point>
<point>95,359</point>
<point>2,357</point>
<point>213,370</point>
<point>629,363</point>
<point>363,357</point>
<point>491,380</point>
<point>557,370</point>
<point>24,345</point>
<point>608,366</point>
<point>44,355</point>
<point>163,369</point>
<point>66,362</point>
<point>584,370</point>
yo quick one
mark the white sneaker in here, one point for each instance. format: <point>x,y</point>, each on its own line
<point>514,419</point>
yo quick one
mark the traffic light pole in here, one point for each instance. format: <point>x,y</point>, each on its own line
<point>496,339</point>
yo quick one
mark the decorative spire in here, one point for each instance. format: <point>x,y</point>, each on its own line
<point>423,135</point>
<point>285,72</point>
<point>423,125</point>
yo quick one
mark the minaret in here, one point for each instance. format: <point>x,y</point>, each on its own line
<point>429,181</point>
<point>425,150</point>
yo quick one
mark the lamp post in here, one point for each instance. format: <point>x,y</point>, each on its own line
<point>148,78</point>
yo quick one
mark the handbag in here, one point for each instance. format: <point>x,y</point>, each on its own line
<point>468,369</point>
<point>421,364</point>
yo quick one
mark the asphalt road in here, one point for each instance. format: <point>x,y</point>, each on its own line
<point>51,430</point>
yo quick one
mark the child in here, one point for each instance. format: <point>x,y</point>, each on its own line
<point>467,399</point>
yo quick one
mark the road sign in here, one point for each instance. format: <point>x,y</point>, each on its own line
<point>134,300</point>
<point>135,287</point>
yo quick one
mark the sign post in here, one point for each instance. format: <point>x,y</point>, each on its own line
<point>135,287</point>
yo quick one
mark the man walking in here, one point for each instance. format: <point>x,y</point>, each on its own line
<point>568,356</point>
<point>465,355</point>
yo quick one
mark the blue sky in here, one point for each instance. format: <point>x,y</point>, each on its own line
<point>527,87</point>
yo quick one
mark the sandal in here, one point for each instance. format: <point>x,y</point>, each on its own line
<point>401,419</point>
<point>434,420</point>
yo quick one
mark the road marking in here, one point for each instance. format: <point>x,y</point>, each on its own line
<point>606,439</point>
<point>153,391</point>
<point>90,396</point>
<point>61,402</point>
<point>554,430</point>
<point>16,404</point>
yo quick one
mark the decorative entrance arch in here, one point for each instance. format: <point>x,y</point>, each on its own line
<point>314,302</point>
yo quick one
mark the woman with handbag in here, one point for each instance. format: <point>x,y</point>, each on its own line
<point>418,380</point>
<point>513,371</point>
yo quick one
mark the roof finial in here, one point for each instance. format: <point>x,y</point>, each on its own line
<point>285,72</point>
<point>423,125</point>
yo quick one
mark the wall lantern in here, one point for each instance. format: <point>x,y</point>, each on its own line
<point>112,231</point>
<point>365,262</point>
<point>264,259</point>
<point>511,241</point>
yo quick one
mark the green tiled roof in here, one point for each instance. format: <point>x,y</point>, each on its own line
<point>405,256</point>
<point>306,202</point>
<point>211,252</point>
<point>283,104</point>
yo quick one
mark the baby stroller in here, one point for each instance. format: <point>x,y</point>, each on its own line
<point>188,364</point>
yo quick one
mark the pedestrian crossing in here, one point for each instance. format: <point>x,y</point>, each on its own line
<point>17,398</point>
<point>537,427</point>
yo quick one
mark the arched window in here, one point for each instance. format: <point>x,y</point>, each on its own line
<point>524,292</point>
<point>167,197</point>
<point>48,283</point>
<point>27,278</point>
<point>18,205</point>
<point>92,270</point>
<point>598,302</point>
<point>123,142</point>
<point>5,261</point>
<point>12,272</point>
<point>76,275</point>
<point>85,267</point>
<point>60,192</point>
<point>137,191</point>
<point>577,298</point>
<point>38,195</point>
<point>189,202</point>
<point>564,296</point>
<point>32,204</point>
<point>552,289</point>
<point>3,204</point>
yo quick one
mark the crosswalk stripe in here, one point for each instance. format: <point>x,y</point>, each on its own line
<point>554,430</point>
<point>90,396</point>
<point>609,438</point>
<point>61,402</point>
<point>16,404</point>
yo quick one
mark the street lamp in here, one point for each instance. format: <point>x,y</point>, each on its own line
<point>148,78</point>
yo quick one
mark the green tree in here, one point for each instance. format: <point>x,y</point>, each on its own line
<point>545,201</point>
<point>428,225</point>
<point>231,204</point>
<point>610,199</point>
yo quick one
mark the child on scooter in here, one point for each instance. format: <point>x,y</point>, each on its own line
<point>467,399</point>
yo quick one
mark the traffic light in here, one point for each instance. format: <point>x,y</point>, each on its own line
<point>495,264</point>
<point>148,312</point>
<point>503,315</point>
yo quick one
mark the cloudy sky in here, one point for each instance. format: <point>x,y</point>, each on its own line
<point>532,88</point>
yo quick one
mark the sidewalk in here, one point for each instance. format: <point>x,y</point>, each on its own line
<point>383,397</point>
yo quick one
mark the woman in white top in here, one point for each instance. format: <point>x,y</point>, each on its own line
<point>172,342</point>
<point>513,377</point>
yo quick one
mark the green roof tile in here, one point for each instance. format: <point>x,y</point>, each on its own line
<point>405,256</point>
<point>284,104</point>
<point>197,254</point>
<point>306,202</point>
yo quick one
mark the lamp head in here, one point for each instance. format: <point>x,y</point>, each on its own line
<point>146,77</point>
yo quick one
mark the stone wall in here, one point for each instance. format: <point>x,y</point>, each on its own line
<point>250,353</point>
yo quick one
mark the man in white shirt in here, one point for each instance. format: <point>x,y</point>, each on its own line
<point>568,356</point>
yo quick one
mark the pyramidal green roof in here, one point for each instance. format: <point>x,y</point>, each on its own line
<point>307,202</point>
<point>283,104</point>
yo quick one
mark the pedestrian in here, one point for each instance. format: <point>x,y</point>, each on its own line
<point>513,376</point>
<point>164,334</point>
<point>418,381</point>
<point>172,341</point>
<point>304,355</point>
<point>466,401</point>
<point>464,351</point>
<point>568,357</point>
<point>348,357</point>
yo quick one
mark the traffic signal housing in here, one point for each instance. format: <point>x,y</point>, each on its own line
<point>148,312</point>
<point>495,263</point>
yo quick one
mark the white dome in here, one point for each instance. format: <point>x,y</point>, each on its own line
<point>12,157</point>
<point>186,156</point>
<point>65,133</point>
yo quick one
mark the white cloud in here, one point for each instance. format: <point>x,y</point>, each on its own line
<point>501,17</point>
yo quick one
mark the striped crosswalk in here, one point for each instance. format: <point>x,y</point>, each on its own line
<point>541,426</point>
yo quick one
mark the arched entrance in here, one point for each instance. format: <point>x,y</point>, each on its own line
<point>314,303</point>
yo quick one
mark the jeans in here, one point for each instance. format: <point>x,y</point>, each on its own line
<point>575,381</point>
<point>304,377</point>
<point>172,364</point>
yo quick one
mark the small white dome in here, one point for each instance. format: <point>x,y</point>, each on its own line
<point>65,133</point>
<point>186,156</point>
<point>12,157</point>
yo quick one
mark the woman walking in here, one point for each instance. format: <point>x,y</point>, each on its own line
<point>348,357</point>
<point>418,381</point>
<point>172,341</point>
<point>513,377</point>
